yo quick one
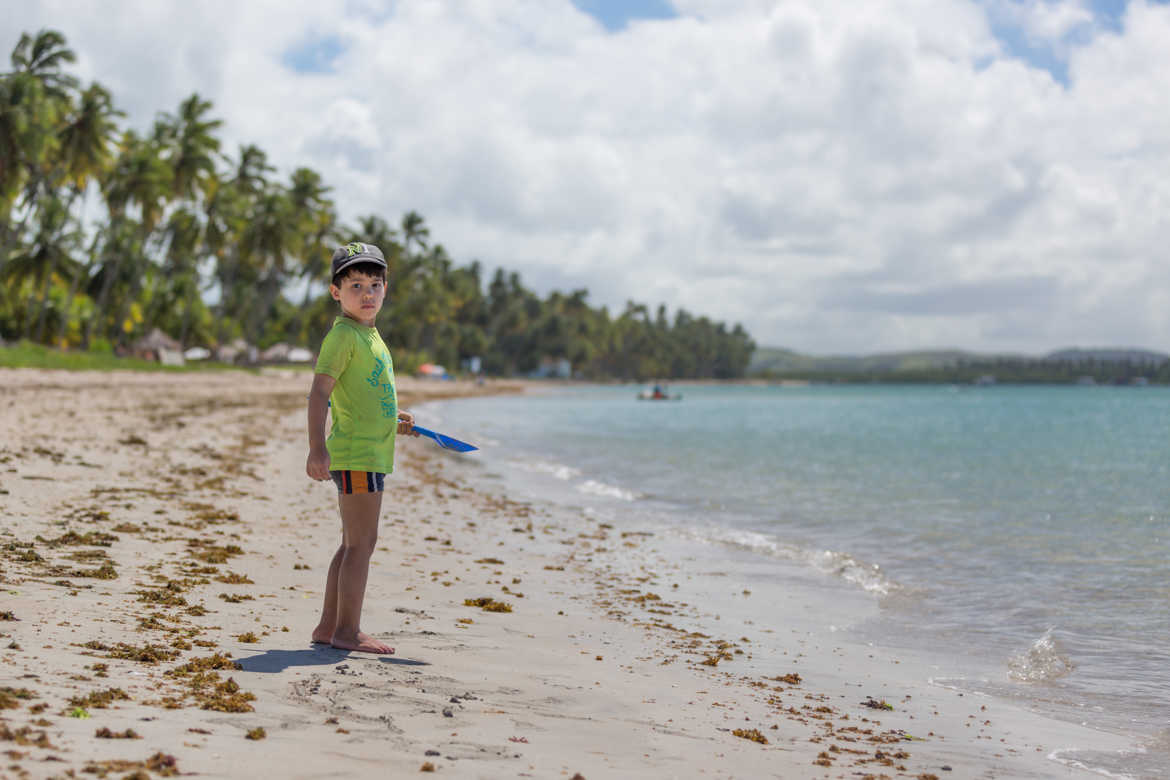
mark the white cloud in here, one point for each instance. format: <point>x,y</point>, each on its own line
<point>837,176</point>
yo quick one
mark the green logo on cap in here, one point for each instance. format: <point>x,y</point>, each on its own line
<point>354,249</point>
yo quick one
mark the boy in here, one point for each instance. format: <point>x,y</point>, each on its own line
<point>355,375</point>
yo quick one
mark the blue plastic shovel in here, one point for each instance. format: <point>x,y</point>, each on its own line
<point>446,442</point>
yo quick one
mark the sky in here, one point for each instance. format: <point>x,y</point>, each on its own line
<point>839,176</point>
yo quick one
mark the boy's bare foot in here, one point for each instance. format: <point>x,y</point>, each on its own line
<point>363,643</point>
<point>322,637</point>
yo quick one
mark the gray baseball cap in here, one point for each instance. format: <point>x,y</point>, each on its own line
<point>356,252</point>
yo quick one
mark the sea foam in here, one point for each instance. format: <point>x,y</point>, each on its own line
<point>595,488</point>
<point>558,470</point>
<point>869,577</point>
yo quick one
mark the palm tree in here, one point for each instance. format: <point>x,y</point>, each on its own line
<point>414,231</point>
<point>252,170</point>
<point>316,221</point>
<point>179,283</point>
<point>32,97</point>
<point>85,143</point>
<point>21,137</point>
<point>50,250</point>
<point>266,243</point>
<point>86,137</point>
<point>191,148</point>
<point>42,57</point>
<point>231,207</point>
<point>37,63</point>
<point>140,178</point>
<point>372,229</point>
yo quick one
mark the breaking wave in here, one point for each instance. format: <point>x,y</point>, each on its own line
<point>1041,662</point>
<point>868,576</point>
<point>558,470</point>
<point>595,488</point>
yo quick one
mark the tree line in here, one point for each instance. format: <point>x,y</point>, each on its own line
<point>1001,370</point>
<point>107,232</point>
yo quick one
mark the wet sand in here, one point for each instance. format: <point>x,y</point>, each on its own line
<point>162,557</point>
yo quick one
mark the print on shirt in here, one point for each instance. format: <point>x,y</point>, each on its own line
<point>387,388</point>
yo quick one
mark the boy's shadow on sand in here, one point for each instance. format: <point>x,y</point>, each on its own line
<point>272,661</point>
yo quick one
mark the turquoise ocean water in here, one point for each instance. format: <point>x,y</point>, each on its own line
<point>1022,532</point>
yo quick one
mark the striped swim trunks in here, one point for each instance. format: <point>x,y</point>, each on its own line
<point>358,481</point>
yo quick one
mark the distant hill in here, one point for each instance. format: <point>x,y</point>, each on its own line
<point>781,362</point>
<point>776,360</point>
<point>1135,357</point>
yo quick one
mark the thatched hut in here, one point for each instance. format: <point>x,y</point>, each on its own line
<point>157,345</point>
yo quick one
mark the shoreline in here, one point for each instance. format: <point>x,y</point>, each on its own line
<point>168,496</point>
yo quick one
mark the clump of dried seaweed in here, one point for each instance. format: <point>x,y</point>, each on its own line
<point>105,733</point>
<point>753,735</point>
<point>146,654</point>
<point>100,700</point>
<point>25,735</point>
<point>204,664</point>
<point>160,764</point>
<point>9,697</point>
<point>235,598</point>
<point>205,551</point>
<point>104,572</point>
<point>874,704</point>
<point>488,604</point>
<point>71,538</point>
<point>207,688</point>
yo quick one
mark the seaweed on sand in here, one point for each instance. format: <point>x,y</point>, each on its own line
<point>233,598</point>
<point>165,597</point>
<point>160,764</point>
<point>751,734</point>
<point>146,654</point>
<point>204,664</point>
<point>100,700</point>
<point>488,604</point>
<point>9,696</point>
<point>104,572</point>
<point>210,691</point>
<point>205,551</point>
<point>72,538</point>
<point>25,736</point>
<point>105,733</point>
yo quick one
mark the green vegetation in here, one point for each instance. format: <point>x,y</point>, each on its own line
<point>25,354</point>
<point>107,233</point>
<point>954,367</point>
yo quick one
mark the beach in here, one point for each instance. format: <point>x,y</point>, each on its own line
<point>162,558</point>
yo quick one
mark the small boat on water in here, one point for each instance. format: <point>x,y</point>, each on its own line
<point>659,393</point>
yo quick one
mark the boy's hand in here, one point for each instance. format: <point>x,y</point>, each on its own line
<point>406,424</point>
<point>317,466</point>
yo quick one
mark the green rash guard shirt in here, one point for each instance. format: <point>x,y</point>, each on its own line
<point>364,403</point>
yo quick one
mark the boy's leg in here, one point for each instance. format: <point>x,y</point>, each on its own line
<point>359,534</point>
<point>323,633</point>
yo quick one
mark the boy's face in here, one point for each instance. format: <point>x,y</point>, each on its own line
<point>361,296</point>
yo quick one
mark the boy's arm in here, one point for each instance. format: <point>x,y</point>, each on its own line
<point>317,466</point>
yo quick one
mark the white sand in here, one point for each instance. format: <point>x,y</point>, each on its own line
<point>587,675</point>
